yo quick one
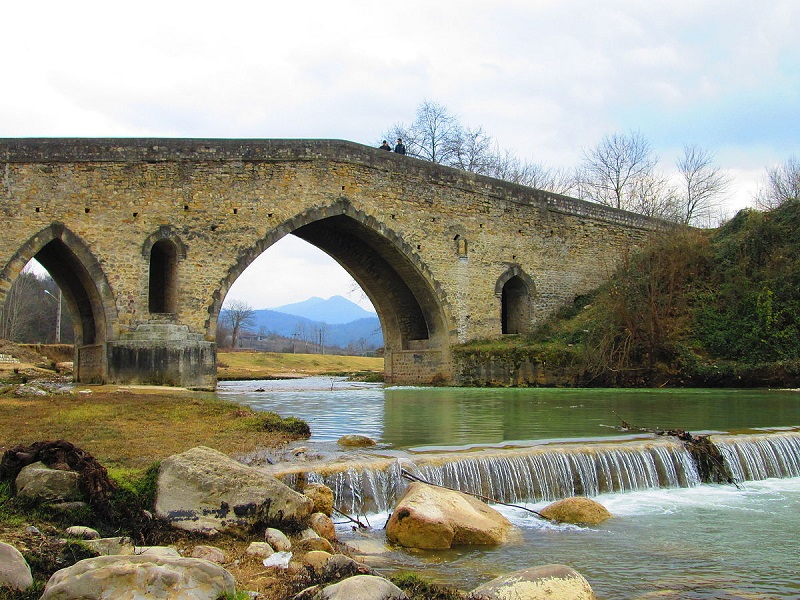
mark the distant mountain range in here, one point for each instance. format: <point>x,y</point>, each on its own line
<point>334,310</point>
<point>344,322</point>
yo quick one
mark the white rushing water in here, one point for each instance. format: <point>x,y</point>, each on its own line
<point>701,542</point>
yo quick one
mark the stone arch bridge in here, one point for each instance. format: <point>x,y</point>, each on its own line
<point>146,236</point>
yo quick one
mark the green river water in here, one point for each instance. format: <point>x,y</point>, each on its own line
<point>699,541</point>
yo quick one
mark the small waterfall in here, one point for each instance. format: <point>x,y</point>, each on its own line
<point>543,473</point>
<point>520,475</point>
<point>756,457</point>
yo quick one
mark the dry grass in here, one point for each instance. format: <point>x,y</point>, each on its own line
<point>266,365</point>
<point>129,429</point>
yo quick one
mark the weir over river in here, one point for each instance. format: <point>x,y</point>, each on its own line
<point>674,536</point>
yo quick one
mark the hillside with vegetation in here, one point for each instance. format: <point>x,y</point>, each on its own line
<point>694,308</point>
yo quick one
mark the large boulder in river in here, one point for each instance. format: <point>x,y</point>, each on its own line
<point>577,510</point>
<point>548,582</point>
<point>322,496</point>
<point>140,576</point>
<point>205,491</point>
<point>431,517</point>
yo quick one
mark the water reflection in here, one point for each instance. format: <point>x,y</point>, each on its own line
<point>421,417</point>
<point>331,406</point>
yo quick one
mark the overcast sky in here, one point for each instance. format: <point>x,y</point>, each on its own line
<point>546,78</point>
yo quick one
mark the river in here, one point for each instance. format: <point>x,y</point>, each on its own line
<point>672,536</point>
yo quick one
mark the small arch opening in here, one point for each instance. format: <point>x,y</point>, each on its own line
<point>515,306</point>
<point>162,288</point>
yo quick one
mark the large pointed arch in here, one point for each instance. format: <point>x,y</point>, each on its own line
<point>411,306</point>
<point>85,290</point>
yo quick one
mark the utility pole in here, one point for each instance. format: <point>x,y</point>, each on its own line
<point>58,313</point>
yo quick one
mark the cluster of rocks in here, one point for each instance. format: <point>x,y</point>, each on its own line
<point>204,491</point>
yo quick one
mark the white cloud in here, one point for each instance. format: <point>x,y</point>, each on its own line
<point>546,78</point>
<point>292,270</point>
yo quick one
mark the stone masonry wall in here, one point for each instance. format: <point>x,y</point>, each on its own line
<point>228,200</point>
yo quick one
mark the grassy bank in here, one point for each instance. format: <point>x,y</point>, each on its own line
<point>693,308</point>
<point>131,430</point>
<point>274,365</point>
<point>128,432</point>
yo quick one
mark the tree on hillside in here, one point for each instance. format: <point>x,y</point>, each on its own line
<point>18,318</point>
<point>703,186</point>
<point>239,315</point>
<point>321,336</point>
<point>781,184</point>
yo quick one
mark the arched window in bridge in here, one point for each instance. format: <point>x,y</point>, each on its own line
<point>163,277</point>
<point>514,289</point>
<point>461,246</point>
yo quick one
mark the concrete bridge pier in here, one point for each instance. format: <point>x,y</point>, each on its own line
<point>161,352</point>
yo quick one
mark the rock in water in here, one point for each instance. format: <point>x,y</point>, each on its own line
<point>354,440</point>
<point>577,510</point>
<point>431,517</point>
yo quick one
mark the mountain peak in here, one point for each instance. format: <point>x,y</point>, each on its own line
<point>334,310</point>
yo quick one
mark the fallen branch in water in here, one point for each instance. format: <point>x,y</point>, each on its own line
<point>351,519</point>
<point>413,477</point>
<point>704,452</point>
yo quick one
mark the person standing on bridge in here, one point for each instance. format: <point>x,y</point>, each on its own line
<point>399,148</point>
<point>385,146</point>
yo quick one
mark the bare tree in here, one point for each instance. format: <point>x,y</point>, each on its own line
<point>703,186</point>
<point>321,334</point>
<point>432,136</point>
<point>17,315</point>
<point>438,136</point>
<point>508,167</point>
<point>782,184</point>
<point>472,151</point>
<point>612,171</point>
<point>29,315</point>
<point>653,196</point>
<point>301,334</point>
<point>239,315</point>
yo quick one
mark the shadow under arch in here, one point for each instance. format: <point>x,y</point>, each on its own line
<point>411,306</point>
<point>84,288</point>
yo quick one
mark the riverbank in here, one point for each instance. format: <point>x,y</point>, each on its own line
<point>129,430</point>
<point>241,365</point>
